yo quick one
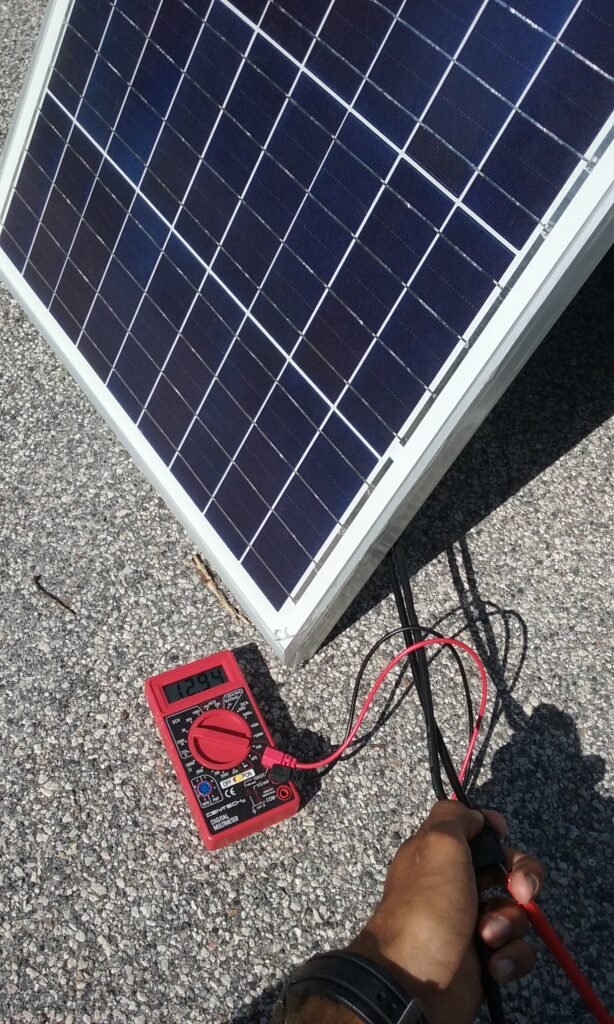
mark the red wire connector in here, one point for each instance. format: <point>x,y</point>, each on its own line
<point>272,757</point>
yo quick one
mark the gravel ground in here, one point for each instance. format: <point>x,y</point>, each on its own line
<point>110,909</point>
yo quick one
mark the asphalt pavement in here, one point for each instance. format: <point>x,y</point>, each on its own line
<point>111,911</point>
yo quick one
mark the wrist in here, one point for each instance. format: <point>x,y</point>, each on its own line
<point>379,944</point>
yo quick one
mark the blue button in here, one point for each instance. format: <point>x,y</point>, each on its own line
<point>205,788</point>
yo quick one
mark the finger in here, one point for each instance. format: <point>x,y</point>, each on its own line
<point>497,822</point>
<point>454,818</point>
<point>501,922</point>
<point>525,875</point>
<point>512,961</point>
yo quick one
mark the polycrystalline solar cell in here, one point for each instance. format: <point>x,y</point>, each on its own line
<point>270,227</point>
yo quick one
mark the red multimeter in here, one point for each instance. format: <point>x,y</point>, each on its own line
<point>214,734</point>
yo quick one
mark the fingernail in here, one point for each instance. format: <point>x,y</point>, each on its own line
<point>533,884</point>
<point>503,970</point>
<point>496,930</point>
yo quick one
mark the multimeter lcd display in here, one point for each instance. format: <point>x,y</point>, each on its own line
<point>194,684</point>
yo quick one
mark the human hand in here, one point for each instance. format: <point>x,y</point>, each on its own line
<point>423,929</point>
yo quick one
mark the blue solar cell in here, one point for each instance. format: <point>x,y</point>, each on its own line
<point>90,20</point>
<point>444,23</point>
<point>241,502</point>
<point>529,165</point>
<point>137,130</point>
<point>323,108</point>
<point>318,239</point>
<point>94,357</point>
<point>261,91</point>
<point>293,289</point>
<point>265,580</point>
<point>90,254</point>
<point>76,295</point>
<point>154,332</point>
<point>274,196</point>
<point>223,416</point>
<point>251,244</point>
<point>170,413</point>
<point>32,276</point>
<point>294,38</point>
<point>466,115</point>
<point>309,15</point>
<point>141,12</point>
<point>189,372</point>
<point>46,256</point>
<point>390,391</point>
<point>120,291</point>
<point>397,235</point>
<point>211,204</point>
<point>279,550</point>
<point>478,244</point>
<point>157,78</point>
<point>235,279</point>
<point>345,187</point>
<point>500,211</point>
<point>250,369</point>
<point>104,329</point>
<point>207,461</point>
<point>451,286</point>
<point>355,40</point>
<point>103,101</point>
<point>171,291</point>
<point>232,153</point>
<point>422,196</point>
<point>408,69</point>
<point>570,99</point>
<point>366,287</point>
<point>65,319</point>
<point>504,50</point>
<point>175,30</point>
<point>33,186</point>
<point>370,149</point>
<point>284,422</point>
<point>329,475</point>
<point>302,512</point>
<point>47,144</point>
<point>263,466</point>
<point>422,342</point>
<point>122,46</point>
<point>193,114</point>
<point>136,370</point>
<point>72,68</point>
<point>335,342</point>
<point>548,14</point>
<point>440,160</point>
<point>137,251</point>
<point>170,171</point>
<point>299,144</point>
<point>61,219</point>
<point>591,33</point>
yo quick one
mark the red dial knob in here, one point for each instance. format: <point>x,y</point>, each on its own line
<point>220,739</point>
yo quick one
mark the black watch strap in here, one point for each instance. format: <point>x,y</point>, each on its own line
<point>356,982</point>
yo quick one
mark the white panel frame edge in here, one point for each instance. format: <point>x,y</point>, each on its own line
<point>561,264</point>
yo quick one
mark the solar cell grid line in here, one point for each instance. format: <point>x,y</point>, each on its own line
<point>488,85</point>
<point>219,280</point>
<point>405,202</point>
<point>223,286</point>
<point>137,189</point>
<point>355,238</point>
<point>198,355</point>
<point>219,246</point>
<point>551,31</point>
<point>72,128</point>
<point>435,240</point>
<point>65,269</point>
<point>290,227</point>
<point>360,398</point>
<point>380,134</point>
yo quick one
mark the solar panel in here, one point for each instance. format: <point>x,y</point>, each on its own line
<point>295,251</point>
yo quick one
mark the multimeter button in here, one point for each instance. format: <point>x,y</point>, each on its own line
<point>220,739</point>
<point>204,788</point>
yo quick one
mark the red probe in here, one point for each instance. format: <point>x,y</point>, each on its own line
<point>538,920</point>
